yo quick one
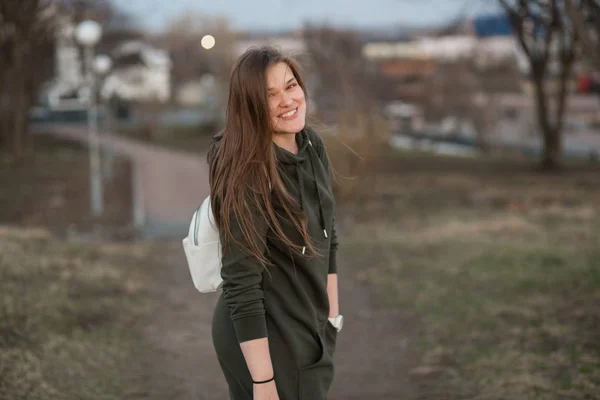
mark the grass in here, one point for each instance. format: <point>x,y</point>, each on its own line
<point>51,189</point>
<point>68,316</point>
<point>501,266</point>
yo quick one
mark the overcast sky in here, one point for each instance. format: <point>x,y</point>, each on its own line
<point>285,14</point>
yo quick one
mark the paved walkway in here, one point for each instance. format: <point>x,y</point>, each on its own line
<point>168,185</point>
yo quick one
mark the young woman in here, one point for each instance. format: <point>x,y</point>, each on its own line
<point>276,322</point>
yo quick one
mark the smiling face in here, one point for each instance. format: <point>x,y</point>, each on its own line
<point>287,103</point>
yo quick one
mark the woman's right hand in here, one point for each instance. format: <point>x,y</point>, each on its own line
<point>265,391</point>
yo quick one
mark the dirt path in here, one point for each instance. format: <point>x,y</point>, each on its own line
<point>372,354</point>
<point>176,360</point>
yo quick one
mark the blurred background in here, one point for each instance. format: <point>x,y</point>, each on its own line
<point>465,138</point>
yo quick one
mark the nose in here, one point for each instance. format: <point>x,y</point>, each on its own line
<point>286,99</point>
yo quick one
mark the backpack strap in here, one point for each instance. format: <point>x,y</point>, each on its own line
<point>196,225</point>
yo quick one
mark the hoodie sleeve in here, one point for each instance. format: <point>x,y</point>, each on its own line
<point>333,250</point>
<point>242,283</point>
<point>320,147</point>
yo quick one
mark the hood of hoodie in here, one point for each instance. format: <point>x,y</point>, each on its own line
<point>302,173</point>
<point>286,157</point>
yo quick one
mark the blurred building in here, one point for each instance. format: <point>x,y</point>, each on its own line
<point>404,66</point>
<point>441,79</point>
<point>64,89</point>
<point>408,65</point>
<point>199,92</point>
<point>517,123</point>
<point>140,73</point>
<point>290,43</point>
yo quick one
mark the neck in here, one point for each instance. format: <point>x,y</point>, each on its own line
<point>286,141</point>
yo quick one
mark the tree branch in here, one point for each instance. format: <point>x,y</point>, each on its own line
<point>507,7</point>
<point>516,20</point>
<point>567,58</point>
<point>590,46</point>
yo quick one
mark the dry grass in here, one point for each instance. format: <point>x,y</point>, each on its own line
<point>51,189</point>
<point>501,269</point>
<point>68,316</point>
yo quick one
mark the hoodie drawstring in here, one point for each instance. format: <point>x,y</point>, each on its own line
<point>300,182</point>
<point>311,154</point>
<point>314,159</point>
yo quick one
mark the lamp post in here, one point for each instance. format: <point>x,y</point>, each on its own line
<point>103,64</point>
<point>208,42</point>
<point>88,34</point>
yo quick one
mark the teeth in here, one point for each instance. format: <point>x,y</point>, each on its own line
<point>289,114</point>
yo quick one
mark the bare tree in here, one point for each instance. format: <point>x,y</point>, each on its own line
<point>343,76</point>
<point>545,35</point>
<point>26,37</point>
<point>191,61</point>
<point>343,88</point>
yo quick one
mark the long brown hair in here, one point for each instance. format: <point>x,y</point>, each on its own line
<point>243,169</point>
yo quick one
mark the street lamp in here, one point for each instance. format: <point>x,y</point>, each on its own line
<point>88,34</point>
<point>103,64</point>
<point>208,42</point>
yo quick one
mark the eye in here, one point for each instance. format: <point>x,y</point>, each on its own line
<point>271,95</point>
<point>293,85</point>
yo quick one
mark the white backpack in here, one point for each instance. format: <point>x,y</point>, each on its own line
<point>203,250</point>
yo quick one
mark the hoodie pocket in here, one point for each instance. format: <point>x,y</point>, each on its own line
<point>315,380</point>
<point>330,338</point>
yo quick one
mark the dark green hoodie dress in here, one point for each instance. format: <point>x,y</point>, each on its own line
<point>289,303</point>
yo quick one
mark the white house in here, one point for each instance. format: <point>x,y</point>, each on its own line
<point>140,73</point>
<point>64,91</point>
<point>486,51</point>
